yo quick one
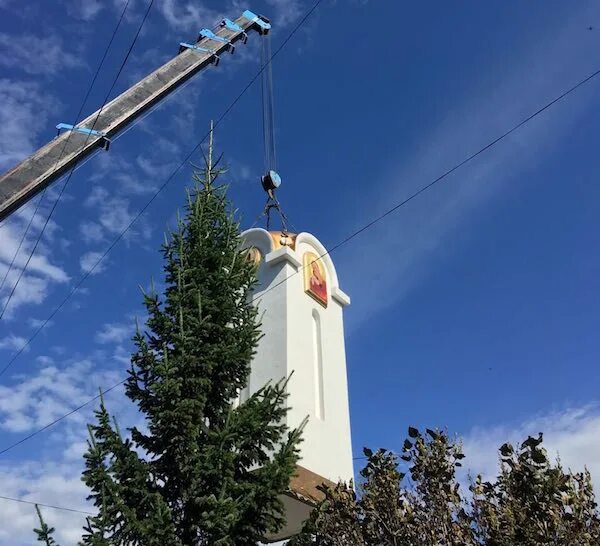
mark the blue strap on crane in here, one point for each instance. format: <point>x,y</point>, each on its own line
<point>234,27</point>
<point>265,27</point>
<point>104,141</point>
<point>230,25</point>
<point>210,35</point>
<point>207,33</point>
<point>185,45</point>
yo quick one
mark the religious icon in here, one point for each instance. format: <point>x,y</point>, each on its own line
<point>315,279</point>
<point>253,256</point>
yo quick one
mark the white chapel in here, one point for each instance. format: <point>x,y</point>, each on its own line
<point>302,307</point>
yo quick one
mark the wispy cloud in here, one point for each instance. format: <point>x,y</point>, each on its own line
<point>114,333</point>
<point>114,211</point>
<point>186,16</point>
<point>52,469</point>
<point>286,11</point>
<point>88,261</point>
<point>86,10</point>
<point>38,399</point>
<point>24,112</point>
<point>41,272</point>
<point>405,246</point>
<point>44,482</point>
<point>12,342</point>
<point>39,263</point>
<point>572,434</point>
<point>35,323</point>
<point>116,182</point>
<point>36,55</point>
<point>91,232</point>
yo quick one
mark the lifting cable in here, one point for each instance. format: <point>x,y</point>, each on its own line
<point>271,179</point>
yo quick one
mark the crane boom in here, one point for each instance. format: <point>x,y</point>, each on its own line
<point>48,163</point>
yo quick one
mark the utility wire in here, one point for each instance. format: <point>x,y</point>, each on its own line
<point>116,240</point>
<point>48,506</point>
<point>39,202</point>
<point>66,183</point>
<point>344,241</point>
<point>428,186</point>
<point>12,262</point>
<point>335,247</point>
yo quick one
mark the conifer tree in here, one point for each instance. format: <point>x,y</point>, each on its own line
<point>205,470</point>
<point>44,533</point>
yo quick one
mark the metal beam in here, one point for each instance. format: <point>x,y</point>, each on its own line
<point>65,151</point>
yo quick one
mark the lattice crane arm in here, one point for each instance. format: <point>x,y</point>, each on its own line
<point>74,144</point>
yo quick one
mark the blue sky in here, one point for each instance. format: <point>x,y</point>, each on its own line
<point>475,307</point>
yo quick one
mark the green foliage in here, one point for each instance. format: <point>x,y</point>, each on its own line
<point>204,470</point>
<point>531,503</point>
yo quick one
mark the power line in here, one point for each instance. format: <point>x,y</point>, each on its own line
<point>64,509</point>
<point>68,179</point>
<point>39,202</point>
<point>344,241</point>
<point>12,262</point>
<point>335,247</point>
<point>428,186</point>
<point>116,240</point>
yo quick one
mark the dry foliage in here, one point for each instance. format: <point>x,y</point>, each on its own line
<point>532,502</point>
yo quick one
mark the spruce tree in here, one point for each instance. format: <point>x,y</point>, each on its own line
<point>44,533</point>
<point>204,470</point>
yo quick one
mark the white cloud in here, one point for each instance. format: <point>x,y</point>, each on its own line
<point>88,261</point>
<point>399,252</point>
<point>39,262</point>
<point>36,55</point>
<point>44,482</point>
<point>30,290</point>
<point>153,170</point>
<point>24,112</point>
<point>35,400</point>
<point>187,16</point>
<point>286,11</point>
<point>84,9</point>
<point>573,434</point>
<point>37,323</point>
<point>41,272</point>
<point>50,473</point>
<point>115,215</point>
<point>114,333</point>
<point>13,343</point>
<point>91,232</point>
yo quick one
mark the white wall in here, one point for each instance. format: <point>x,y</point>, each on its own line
<point>288,345</point>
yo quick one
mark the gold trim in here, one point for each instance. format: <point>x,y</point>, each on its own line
<point>253,256</point>
<point>281,239</point>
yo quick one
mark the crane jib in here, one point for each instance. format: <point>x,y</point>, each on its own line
<point>75,143</point>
